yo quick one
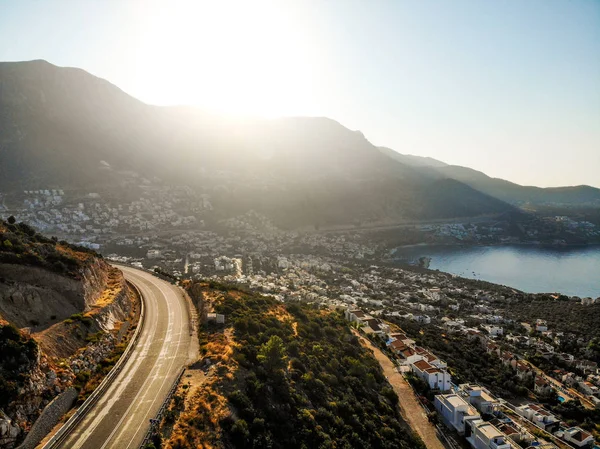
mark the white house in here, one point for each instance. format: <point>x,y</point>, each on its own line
<point>578,437</point>
<point>493,330</point>
<point>539,416</point>
<point>479,397</point>
<point>454,411</point>
<point>483,435</point>
<point>435,378</point>
<point>541,325</point>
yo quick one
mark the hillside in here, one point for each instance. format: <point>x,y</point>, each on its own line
<point>572,196</point>
<point>284,376</point>
<point>64,312</point>
<point>299,171</point>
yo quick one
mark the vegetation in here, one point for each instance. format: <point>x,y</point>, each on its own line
<point>19,355</point>
<point>20,244</point>
<point>468,361</point>
<point>295,377</point>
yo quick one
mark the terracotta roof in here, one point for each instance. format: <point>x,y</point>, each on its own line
<point>407,353</point>
<point>422,365</point>
<point>398,345</point>
<point>580,435</point>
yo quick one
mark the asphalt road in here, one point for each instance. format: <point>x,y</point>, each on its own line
<point>120,418</point>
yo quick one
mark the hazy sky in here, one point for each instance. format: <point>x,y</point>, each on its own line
<point>508,87</point>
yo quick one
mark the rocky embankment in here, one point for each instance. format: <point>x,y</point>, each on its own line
<point>76,322</point>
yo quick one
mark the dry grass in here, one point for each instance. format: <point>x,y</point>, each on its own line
<point>77,255</point>
<point>114,286</point>
<point>198,423</point>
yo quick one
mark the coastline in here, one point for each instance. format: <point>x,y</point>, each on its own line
<point>531,268</point>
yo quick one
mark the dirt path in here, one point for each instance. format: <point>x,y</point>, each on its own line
<point>410,408</point>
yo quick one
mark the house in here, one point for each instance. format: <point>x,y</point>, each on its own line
<point>492,329</point>
<point>539,416</point>
<point>479,397</point>
<point>541,325</point>
<point>397,346</point>
<point>509,429</point>
<point>377,327</point>
<point>578,437</point>
<point>435,378</point>
<point>587,366</point>
<point>523,370</point>
<point>507,358</point>
<point>454,411</point>
<point>542,386</point>
<point>484,435</point>
<point>492,348</point>
<point>153,254</point>
<point>473,334</point>
<point>403,338</point>
<point>430,357</point>
<point>354,315</point>
<point>588,388</point>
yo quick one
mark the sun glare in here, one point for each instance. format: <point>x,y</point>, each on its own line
<point>239,57</point>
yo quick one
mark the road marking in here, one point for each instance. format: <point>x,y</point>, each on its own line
<point>108,400</point>
<point>157,373</point>
<point>145,420</point>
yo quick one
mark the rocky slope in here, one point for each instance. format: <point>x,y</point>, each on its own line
<point>63,311</point>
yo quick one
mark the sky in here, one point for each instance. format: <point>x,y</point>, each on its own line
<point>511,87</point>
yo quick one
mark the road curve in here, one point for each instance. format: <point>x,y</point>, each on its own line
<point>120,418</point>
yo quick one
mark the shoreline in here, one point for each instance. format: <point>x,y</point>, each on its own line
<point>541,283</point>
<point>483,245</point>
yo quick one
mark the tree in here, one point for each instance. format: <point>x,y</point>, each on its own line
<point>11,220</point>
<point>272,353</point>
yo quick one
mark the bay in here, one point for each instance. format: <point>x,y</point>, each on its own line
<point>573,271</point>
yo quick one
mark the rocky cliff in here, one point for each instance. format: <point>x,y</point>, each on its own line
<point>63,311</point>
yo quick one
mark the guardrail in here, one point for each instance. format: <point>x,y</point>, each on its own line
<point>68,427</point>
<point>158,417</point>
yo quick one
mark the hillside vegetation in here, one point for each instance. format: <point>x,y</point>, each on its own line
<point>19,356</point>
<point>20,244</point>
<point>287,376</point>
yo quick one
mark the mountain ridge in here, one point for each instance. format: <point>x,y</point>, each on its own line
<point>64,127</point>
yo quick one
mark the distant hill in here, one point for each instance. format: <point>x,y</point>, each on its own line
<point>499,188</point>
<point>62,127</point>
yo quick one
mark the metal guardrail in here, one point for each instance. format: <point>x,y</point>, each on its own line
<point>68,427</point>
<point>158,417</point>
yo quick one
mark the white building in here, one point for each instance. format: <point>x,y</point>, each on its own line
<point>578,437</point>
<point>541,326</point>
<point>483,435</point>
<point>153,254</point>
<point>435,378</point>
<point>493,330</point>
<point>539,416</point>
<point>479,397</point>
<point>455,411</point>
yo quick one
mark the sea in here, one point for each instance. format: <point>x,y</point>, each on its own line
<point>572,271</point>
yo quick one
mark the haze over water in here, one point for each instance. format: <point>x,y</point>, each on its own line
<point>571,271</point>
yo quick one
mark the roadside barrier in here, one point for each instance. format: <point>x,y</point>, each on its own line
<point>157,419</point>
<point>68,427</point>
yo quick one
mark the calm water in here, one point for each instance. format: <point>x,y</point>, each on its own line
<point>571,271</point>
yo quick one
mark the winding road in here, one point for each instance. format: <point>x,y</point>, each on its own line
<point>120,418</point>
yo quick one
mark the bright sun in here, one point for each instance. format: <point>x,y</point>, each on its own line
<point>242,57</point>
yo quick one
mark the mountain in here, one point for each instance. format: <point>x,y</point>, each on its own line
<point>412,160</point>
<point>499,188</point>
<point>64,128</point>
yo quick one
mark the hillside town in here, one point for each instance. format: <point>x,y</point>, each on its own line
<point>405,308</point>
